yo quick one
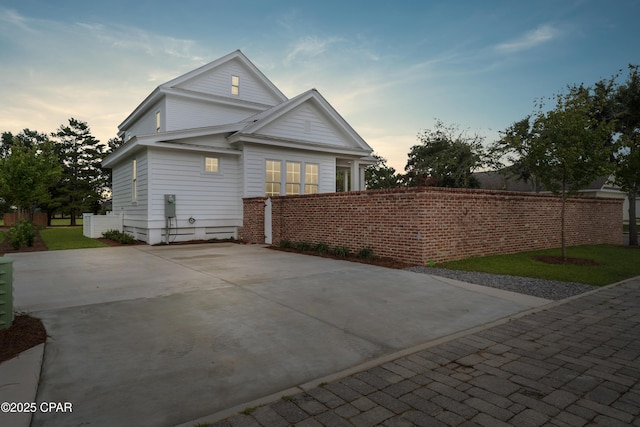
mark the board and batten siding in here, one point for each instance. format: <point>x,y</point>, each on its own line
<point>201,195</point>
<point>218,82</point>
<point>122,202</point>
<point>255,158</point>
<point>189,114</point>
<point>306,123</point>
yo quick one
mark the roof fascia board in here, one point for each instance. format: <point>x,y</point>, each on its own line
<point>299,145</point>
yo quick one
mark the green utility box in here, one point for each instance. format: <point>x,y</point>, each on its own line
<point>6,292</point>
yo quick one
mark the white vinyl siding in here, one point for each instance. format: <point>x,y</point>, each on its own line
<point>307,123</point>
<point>122,187</point>
<point>203,196</point>
<point>147,124</point>
<point>183,113</point>
<point>217,82</point>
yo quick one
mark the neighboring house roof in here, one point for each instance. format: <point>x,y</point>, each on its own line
<point>501,180</point>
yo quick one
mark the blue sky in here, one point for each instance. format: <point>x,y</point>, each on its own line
<point>389,67</point>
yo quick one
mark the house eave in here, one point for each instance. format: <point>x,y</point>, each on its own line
<point>237,138</point>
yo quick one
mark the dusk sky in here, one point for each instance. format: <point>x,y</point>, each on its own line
<point>389,67</point>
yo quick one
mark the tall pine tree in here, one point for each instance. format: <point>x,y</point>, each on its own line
<point>83,180</point>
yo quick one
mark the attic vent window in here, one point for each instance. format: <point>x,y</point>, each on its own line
<point>235,85</point>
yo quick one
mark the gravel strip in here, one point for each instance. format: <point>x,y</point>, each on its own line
<point>549,289</point>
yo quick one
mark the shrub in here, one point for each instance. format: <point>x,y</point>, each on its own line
<point>303,246</point>
<point>14,237</point>
<point>285,244</point>
<point>23,233</point>
<point>27,232</point>
<point>366,253</point>
<point>321,248</point>
<point>341,251</point>
<point>118,236</point>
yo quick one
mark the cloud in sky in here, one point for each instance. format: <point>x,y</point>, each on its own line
<point>309,47</point>
<point>531,39</point>
<point>389,71</point>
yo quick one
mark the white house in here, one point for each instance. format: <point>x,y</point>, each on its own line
<point>201,142</point>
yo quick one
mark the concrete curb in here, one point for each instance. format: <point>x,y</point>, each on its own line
<point>19,378</point>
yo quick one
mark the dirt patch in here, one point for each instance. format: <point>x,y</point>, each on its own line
<point>25,332</point>
<point>549,259</point>
<point>379,261</point>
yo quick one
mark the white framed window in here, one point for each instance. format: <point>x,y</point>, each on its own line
<point>272,178</point>
<point>310,178</point>
<point>134,181</point>
<point>212,164</point>
<point>158,121</point>
<point>235,85</point>
<point>293,178</point>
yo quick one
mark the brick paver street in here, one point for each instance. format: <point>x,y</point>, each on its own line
<point>573,364</point>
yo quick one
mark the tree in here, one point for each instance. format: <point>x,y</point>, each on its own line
<point>380,175</point>
<point>26,173</point>
<point>627,152</point>
<point>569,147</point>
<point>446,157</point>
<point>83,180</point>
<point>512,148</point>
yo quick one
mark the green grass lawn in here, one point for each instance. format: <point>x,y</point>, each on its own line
<point>616,263</point>
<point>68,238</point>
<point>64,221</point>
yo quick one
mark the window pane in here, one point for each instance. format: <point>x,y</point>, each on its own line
<point>211,164</point>
<point>293,189</point>
<point>310,174</point>
<point>293,172</point>
<point>272,189</point>
<point>310,189</point>
<point>273,171</point>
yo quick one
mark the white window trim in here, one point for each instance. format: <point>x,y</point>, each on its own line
<point>158,121</point>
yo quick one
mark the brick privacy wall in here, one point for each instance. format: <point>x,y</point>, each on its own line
<point>417,225</point>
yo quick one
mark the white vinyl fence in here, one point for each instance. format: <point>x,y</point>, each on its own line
<point>94,225</point>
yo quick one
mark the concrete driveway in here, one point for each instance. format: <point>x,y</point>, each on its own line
<point>153,336</point>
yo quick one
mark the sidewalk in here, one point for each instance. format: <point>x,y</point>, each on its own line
<point>572,363</point>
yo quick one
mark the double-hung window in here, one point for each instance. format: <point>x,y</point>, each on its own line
<point>310,178</point>
<point>134,181</point>
<point>235,85</point>
<point>293,178</point>
<point>272,178</point>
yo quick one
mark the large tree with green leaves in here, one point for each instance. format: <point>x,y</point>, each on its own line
<point>83,180</point>
<point>627,148</point>
<point>569,146</point>
<point>26,172</point>
<point>380,175</point>
<point>445,157</point>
